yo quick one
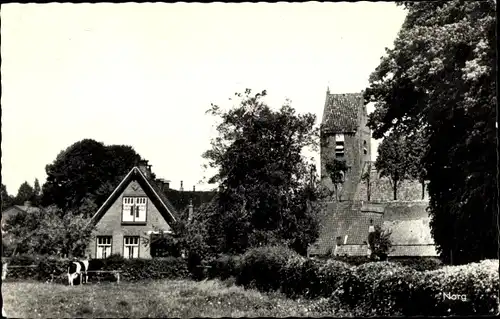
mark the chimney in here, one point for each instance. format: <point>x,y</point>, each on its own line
<point>145,168</point>
<point>190,211</point>
<point>194,188</point>
<point>182,187</point>
<point>27,203</point>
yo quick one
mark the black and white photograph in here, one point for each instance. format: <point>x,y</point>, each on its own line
<point>290,159</point>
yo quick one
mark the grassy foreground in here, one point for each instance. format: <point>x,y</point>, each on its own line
<point>164,298</point>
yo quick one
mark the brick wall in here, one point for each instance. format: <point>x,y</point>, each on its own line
<point>111,224</point>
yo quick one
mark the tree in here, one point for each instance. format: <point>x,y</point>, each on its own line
<point>336,170</point>
<point>265,195</point>
<point>25,193</point>
<point>7,200</point>
<point>48,231</point>
<point>393,161</point>
<point>380,243</point>
<point>367,179</point>
<point>86,171</point>
<point>440,77</point>
<point>37,193</point>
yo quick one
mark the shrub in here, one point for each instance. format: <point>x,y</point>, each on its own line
<point>364,279</point>
<point>293,272</point>
<point>222,267</point>
<point>477,281</point>
<point>334,277</point>
<point>263,267</point>
<point>419,263</point>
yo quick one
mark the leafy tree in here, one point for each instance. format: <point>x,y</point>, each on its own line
<point>85,172</point>
<point>336,169</point>
<point>25,193</point>
<point>48,231</point>
<point>7,200</point>
<point>367,179</point>
<point>37,193</point>
<point>393,161</point>
<point>265,195</point>
<point>440,77</point>
<point>380,243</point>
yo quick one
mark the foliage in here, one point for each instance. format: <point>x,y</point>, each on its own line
<point>366,177</point>
<point>51,267</point>
<point>396,160</point>
<point>263,267</point>
<point>7,200</point>
<point>336,170</point>
<point>380,243</point>
<point>440,77</point>
<point>48,231</point>
<point>267,192</point>
<point>87,171</point>
<point>222,267</point>
<point>24,193</point>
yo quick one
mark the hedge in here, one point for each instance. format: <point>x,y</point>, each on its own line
<point>55,269</point>
<point>375,288</point>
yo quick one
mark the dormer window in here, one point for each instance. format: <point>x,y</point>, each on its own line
<point>339,145</point>
<point>134,209</point>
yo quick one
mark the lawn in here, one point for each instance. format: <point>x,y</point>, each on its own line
<point>162,298</point>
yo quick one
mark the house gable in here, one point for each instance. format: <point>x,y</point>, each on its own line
<point>136,183</point>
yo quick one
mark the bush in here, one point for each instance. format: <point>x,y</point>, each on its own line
<point>419,263</point>
<point>477,282</point>
<point>364,279</point>
<point>263,267</point>
<point>222,267</point>
<point>334,278</point>
<point>45,268</point>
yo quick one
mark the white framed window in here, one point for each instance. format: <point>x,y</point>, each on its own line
<point>103,247</point>
<point>134,209</point>
<point>339,145</point>
<point>131,247</point>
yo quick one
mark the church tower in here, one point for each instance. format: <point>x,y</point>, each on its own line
<point>345,137</point>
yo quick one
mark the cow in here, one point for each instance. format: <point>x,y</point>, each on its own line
<point>78,268</point>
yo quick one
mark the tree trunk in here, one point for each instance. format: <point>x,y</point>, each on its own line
<point>423,190</point>
<point>395,190</point>
<point>368,190</point>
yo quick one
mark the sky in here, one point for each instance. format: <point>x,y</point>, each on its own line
<point>144,74</point>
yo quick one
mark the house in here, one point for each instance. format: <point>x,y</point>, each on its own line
<point>348,218</point>
<point>16,209</point>
<point>132,215</point>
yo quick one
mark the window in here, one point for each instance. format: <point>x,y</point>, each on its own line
<point>131,247</point>
<point>365,148</point>
<point>339,145</point>
<point>103,247</point>
<point>134,209</point>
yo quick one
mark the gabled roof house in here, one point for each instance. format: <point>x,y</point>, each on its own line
<point>135,211</point>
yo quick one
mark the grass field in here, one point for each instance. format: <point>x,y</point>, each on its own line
<point>165,298</point>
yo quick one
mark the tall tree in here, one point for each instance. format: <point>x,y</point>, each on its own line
<point>441,77</point>
<point>37,192</point>
<point>336,170</point>
<point>7,200</point>
<point>86,171</point>
<point>265,193</point>
<point>25,193</point>
<point>393,161</point>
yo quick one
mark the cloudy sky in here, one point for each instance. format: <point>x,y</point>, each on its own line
<point>144,74</point>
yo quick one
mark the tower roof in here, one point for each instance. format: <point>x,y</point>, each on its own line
<point>341,112</point>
